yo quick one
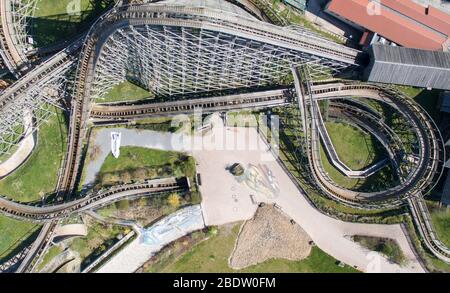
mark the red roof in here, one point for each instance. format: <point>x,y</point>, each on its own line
<point>401,21</point>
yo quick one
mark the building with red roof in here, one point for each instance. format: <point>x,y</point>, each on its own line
<point>402,22</point>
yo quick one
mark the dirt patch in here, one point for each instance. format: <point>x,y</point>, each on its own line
<point>269,235</point>
<point>144,215</point>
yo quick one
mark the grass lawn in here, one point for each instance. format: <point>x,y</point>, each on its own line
<point>125,91</point>
<point>355,148</point>
<point>38,176</point>
<point>51,253</point>
<point>60,20</point>
<point>137,163</point>
<point>378,181</point>
<point>212,256</point>
<point>338,177</point>
<point>14,234</point>
<point>99,238</point>
<point>441,222</point>
<point>358,150</point>
<point>385,246</point>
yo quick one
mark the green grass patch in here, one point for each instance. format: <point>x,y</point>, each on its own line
<point>39,175</point>
<point>139,164</point>
<point>14,236</point>
<point>55,21</point>
<point>441,221</point>
<point>150,162</point>
<point>125,91</point>
<point>51,254</point>
<point>381,180</point>
<point>356,149</point>
<point>385,246</point>
<point>100,237</point>
<point>212,255</point>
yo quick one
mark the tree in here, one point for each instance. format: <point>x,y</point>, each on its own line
<point>174,200</point>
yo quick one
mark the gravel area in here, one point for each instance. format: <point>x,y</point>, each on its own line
<point>270,234</point>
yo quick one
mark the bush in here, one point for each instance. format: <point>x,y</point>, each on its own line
<point>237,169</point>
<point>125,177</point>
<point>123,205</point>
<point>140,174</point>
<point>174,200</point>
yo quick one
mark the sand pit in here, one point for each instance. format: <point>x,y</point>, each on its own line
<point>270,234</point>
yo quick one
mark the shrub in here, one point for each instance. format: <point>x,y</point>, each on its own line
<point>174,200</point>
<point>123,205</point>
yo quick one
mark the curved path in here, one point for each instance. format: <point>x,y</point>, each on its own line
<point>23,151</point>
<point>336,161</point>
<point>14,59</point>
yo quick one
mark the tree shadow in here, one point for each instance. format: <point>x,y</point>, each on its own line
<point>23,243</point>
<point>52,29</point>
<point>429,100</point>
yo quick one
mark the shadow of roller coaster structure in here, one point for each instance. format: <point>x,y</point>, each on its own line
<point>175,49</point>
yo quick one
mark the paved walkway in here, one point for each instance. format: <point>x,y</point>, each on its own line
<point>153,239</point>
<point>225,200</point>
<point>22,153</point>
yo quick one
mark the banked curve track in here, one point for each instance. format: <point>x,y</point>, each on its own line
<point>424,177</point>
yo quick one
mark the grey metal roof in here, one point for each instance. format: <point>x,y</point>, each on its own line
<point>394,54</point>
<point>212,4</point>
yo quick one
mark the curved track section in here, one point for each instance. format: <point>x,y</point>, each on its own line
<point>13,36</point>
<point>373,124</point>
<point>90,201</point>
<point>336,161</point>
<point>429,168</point>
<point>423,178</point>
